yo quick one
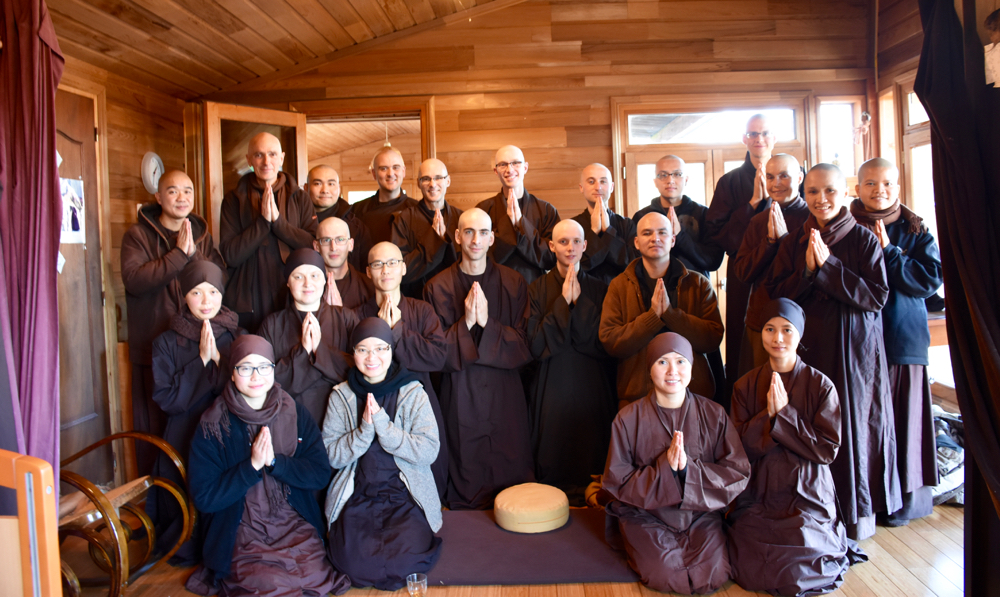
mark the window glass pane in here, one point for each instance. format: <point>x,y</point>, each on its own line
<point>887,126</point>
<point>916,111</point>
<point>730,166</point>
<point>714,128</point>
<point>695,188</point>
<point>355,196</point>
<point>836,135</point>
<point>922,186</point>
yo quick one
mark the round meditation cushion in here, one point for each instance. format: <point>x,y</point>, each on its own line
<point>531,508</point>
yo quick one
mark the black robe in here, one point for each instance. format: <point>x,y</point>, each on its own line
<point>525,249</point>
<point>355,288</point>
<point>359,232</point>
<point>843,340</point>
<point>784,534</point>
<point>571,397</point>
<point>610,252</point>
<point>692,246</point>
<point>425,253</point>
<point>378,216</point>
<point>308,378</point>
<point>485,412</point>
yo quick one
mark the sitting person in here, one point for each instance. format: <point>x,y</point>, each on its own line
<point>190,368</point>
<point>784,534</point>
<point>254,465</point>
<point>674,464</point>
<point>380,431</point>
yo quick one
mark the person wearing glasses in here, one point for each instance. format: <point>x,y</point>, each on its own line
<point>739,195</point>
<point>261,221</point>
<point>610,237</point>
<point>190,368</point>
<point>483,307</point>
<point>425,233</point>
<point>346,284</point>
<point>323,189</point>
<point>381,435</point>
<point>309,336</point>
<point>377,212</point>
<point>255,462</point>
<point>522,223</point>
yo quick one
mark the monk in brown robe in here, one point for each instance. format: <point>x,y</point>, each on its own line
<point>674,465</point>
<point>483,307</point>
<point>835,270</point>
<point>377,212</point>
<point>166,237</point>
<point>656,294</point>
<point>784,534</point>
<point>346,285</point>
<point>262,220</point>
<point>309,337</point>
<point>323,188</point>
<point>522,223</point>
<point>610,237</point>
<point>425,232</point>
<point>782,210</point>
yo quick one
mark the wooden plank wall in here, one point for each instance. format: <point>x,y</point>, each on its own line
<point>900,37</point>
<point>541,75</point>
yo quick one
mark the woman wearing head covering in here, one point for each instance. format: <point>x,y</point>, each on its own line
<point>380,431</point>
<point>190,368</point>
<point>255,462</point>
<point>674,465</point>
<point>784,533</point>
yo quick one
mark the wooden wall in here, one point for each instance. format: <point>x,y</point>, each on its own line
<point>900,37</point>
<point>541,75</point>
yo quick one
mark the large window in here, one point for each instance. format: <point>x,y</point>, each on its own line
<point>705,128</point>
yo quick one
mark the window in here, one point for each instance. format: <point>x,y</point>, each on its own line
<point>705,128</point>
<point>838,119</point>
<point>915,110</point>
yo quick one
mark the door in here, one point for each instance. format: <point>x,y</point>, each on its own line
<point>83,382</point>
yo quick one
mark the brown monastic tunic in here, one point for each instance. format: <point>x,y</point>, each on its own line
<point>524,249</point>
<point>425,253</point>
<point>355,288</point>
<point>378,216</point>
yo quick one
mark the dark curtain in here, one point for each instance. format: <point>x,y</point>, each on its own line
<point>965,147</point>
<point>30,216</point>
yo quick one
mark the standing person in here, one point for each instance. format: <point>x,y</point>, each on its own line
<point>255,463</point>
<point>784,534</point>
<point>381,435</point>
<point>571,397</point>
<point>483,308</point>
<point>425,232</point>
<point>323,188</point>
<point>610,237</point>
<point>388,169</point>
<point>166,238</point>
<point>346,285</point>
<point>913,267</point>
<point>783,210</point>
<point>522,223</point>
<point>834,269</point>
<point>739,195</point>
<point>674,465</point>
<point>261,221</point>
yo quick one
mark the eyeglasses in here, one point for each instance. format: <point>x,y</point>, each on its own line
<point>666,175</point>
<point>505,165</point>
<point>247,370</point>
<point>755,135</point>
<point>339,241</point>
<point>377,265</point>
<point>427,179</point>
<point>361,351</point>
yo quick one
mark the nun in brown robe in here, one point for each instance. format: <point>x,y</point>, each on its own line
<point>834,269</point>
<point>309,336</point>
<point>784,534</point>
<point>483,308</point>
<point>674,465</point>
<point>255,463</point>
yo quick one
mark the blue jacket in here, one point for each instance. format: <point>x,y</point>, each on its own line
<point>221,475</point>
<point>913,266</point>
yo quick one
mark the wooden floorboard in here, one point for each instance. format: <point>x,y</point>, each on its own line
<point>923,559</point>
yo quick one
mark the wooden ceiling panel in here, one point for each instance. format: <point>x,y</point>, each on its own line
<point>328,138</point>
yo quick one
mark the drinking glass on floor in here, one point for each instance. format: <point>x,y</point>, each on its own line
<point>416,584</point>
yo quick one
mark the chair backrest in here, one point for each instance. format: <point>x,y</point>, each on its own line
<point>37,522</point>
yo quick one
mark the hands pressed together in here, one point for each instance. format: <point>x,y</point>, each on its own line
<point>476,307</point>
<point>262,452</point>
<point>311,333</point>
<point>817,252</point>
<point>513,209</point>
<point>660,302</point>
<point>185,239</point>
<point>268,206</point>
<point>207,349</point>
<point>776,226</point>
<point>571,287</point>
<point>777,396</point>
<point>371,409</point>
<point>599,219</point>
<point>676,456</point>
<point>389,312</point>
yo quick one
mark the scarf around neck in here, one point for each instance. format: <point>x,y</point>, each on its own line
<point>397,377</point>
<point>889,215</point>
<point>189,326</point>
<point>834,231</point>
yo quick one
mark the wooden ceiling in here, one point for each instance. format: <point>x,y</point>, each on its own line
<point>326,139</point>
<point>193,48</point>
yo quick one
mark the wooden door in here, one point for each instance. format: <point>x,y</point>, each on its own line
<point>83,383</point>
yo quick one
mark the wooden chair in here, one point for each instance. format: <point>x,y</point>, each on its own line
<point>97,519</point>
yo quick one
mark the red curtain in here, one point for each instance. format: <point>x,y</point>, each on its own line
<point>30,217</point>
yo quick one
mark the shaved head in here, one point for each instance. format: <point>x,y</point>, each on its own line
<point>653,219</point>
<point>384,251</point>
<point>386,278</point>
<point>596,184</point>
<point>876,164</point>
<point>511,174</point>
<point>475,235</point>
<point>265,156</point>
<point>175,195</point>
<point>654,238</point>
<point>831,170</point>
<point>334,255</point>
<point>782,178</point>
<point>333,227</point>
<point>568,244</point>
<point>567,227</point>
<point>263,140</point>
<point>474,218</point>
<point>878,184</point>
<point>323,185</point>
<point>759,138</point>
<point>433,180</point>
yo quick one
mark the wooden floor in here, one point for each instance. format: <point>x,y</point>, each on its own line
<point>922,559</point>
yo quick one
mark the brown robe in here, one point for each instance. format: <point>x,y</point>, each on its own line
<point>425,253</point>
<point>255,249</point>
<point>843,340</point>
<point>526,248</point>
<point>671,522</point>
<point>378,216</point>
<point>784,534</point>
<point>485,412</point>
<point>356,287</point>
<point>610,252</point>
<point>359,232</point>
